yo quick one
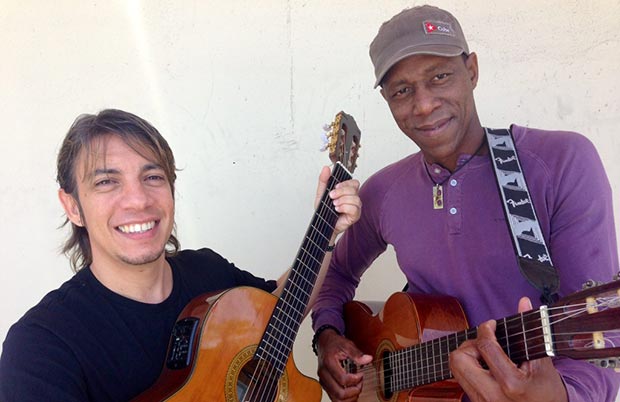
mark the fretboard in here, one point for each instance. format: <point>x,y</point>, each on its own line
<point>277,341</point>
<point>521,337</point>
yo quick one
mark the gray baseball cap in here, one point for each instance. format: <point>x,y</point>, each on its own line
<point>418,30</point>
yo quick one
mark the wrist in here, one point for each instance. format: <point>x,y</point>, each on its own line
<point>318,333</point>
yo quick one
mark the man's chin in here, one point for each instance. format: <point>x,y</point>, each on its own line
<point>143,259</point>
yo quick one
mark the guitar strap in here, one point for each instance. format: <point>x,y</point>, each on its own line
<point>532,253</point>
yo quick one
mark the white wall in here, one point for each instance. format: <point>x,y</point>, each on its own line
<point>241,92</point>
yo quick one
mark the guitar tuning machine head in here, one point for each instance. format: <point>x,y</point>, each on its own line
<point>590,284</point>
<point>611,363</point>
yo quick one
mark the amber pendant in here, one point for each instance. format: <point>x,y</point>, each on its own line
<point>437,197</point>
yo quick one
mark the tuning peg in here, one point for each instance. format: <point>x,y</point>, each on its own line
<point>590,284</point>
<point>324,142</point>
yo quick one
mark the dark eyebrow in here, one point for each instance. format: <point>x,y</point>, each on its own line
<point>433,68</point>
<point>105,172</point>
<point>438,66</point>
<point>111,171</point>
<point>152,166</point>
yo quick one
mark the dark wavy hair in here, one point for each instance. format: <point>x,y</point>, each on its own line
<point>136,132</point>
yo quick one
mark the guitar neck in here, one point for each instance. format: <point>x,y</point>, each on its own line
<point>277,341</point>
<point>522,336</point>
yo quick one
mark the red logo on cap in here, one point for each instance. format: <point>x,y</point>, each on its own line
<point>429,27</point>
<point>438,27</point>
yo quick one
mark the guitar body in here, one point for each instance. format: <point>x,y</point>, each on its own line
<point>229,329</point>
<point>404,320</point>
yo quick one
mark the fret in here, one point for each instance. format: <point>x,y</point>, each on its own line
<point>413,364</point>
<point>315,248</point>
<point>280,338</point>
<point>418,365</point>
<point>427,374</point>
<point>445,364</point>
<point>397,372</point>
<point>306,274</point>
<point>315,262</point>
<point>527,356</point>
<point>516,336</point>
<point>389,374</point>
<point>402,360</point>
<point>434,353</point>
<point>287,295</point>
<point>452,345</point>
<point>274,356</point>
<point>285,324</point>
<point>507,348</point>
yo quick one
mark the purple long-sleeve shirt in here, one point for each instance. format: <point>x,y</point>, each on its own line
<point>465,250</point>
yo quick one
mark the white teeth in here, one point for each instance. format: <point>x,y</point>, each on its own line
<point>137,227</point>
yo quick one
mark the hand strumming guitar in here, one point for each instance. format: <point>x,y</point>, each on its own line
<point>533,381</point>
<point>333,349</point>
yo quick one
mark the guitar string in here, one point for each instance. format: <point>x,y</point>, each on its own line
<point>427,375</point>
<point>268,388</point>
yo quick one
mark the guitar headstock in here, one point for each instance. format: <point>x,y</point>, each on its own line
<point>343,141</point>
<point>586,325</point>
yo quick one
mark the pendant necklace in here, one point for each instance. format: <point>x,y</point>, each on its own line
<point>438,186</point>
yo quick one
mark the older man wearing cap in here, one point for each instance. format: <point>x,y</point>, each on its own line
<point>441,211</point>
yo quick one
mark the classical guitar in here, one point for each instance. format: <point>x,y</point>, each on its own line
<point>413,335</point>
<point>236,345</point>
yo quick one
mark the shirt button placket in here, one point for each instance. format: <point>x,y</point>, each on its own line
<point>455,221</point>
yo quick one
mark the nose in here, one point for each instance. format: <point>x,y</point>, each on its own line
<point>135,195</point>
<point>424,102</point>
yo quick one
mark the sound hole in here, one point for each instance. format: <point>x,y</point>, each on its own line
<point>256,382</point>
<point>388,378</point>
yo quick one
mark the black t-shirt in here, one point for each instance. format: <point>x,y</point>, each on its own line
<point>83,342</point>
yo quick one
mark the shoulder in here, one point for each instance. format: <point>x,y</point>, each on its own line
<point>561,156</point>
<point>201,265</point>
<point>200,258</point>
<point>209,271</point>
<point>555,145</point>
<point>46,327</point>
<point>68,300</point>
<point>391,175</point>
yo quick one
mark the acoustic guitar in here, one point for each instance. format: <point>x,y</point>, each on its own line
<point>236,345</point>
<point>413,335</point>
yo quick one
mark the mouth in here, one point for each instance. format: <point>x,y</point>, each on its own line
<point>434,127</point>
<point>137,227</point>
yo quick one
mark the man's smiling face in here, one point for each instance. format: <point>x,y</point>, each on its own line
<point>125,203</point>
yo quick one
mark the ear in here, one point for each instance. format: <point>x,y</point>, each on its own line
<point>472,67</point>
<point>71,207</point>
